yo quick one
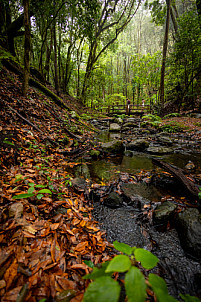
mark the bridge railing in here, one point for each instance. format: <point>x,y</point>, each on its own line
<point>120,109</point>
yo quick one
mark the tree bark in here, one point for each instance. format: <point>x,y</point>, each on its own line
<point>56,81</point>
<point>165,46</point>
<point>25,84</point>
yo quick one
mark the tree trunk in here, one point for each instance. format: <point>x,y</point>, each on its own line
<point>56,81</point>
<point>165,46</point>
<point>47,62</point>
<point>90,63</point>
<point>26,48</point>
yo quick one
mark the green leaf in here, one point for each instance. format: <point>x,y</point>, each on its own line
<point>20,196</point>
<point>45,191</point>
<point>147,259</point>
<point>120,263</point>
<point>40,186</point>
<point>8,143</point>
<point>160,289</point>
<point>18,177</point>
<point>135,285</point>
<point>43,300</point>
<point>98,272</point>
<point>39,196</point>
<point>31,184</point>
<point>89,263</point>
<point>188,298</point>
<point>31,190</point>
<point>103,289</point>
<point>122,247</point>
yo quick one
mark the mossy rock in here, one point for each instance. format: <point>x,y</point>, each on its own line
<point>115,147</point>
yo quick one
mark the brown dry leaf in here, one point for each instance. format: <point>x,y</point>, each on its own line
<point>12,294</point>
<point>11,274</point>
<point>78,298</point>
<point>2,284</point>
<point>29,228</point>
<point>53,245</point>
<point>65,283</point>
<point>81,266</point>
<point>81,246</point>
<point>54,226</point>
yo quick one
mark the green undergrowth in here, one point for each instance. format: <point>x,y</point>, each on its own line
<point>138,286</point>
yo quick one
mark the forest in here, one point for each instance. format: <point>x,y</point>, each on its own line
<point>100,161</point>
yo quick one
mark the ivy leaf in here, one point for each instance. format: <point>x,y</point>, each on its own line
<point>120,263</point>
<point>20,196</point>
<point>45,191</point>
<point>147,259</point>
<point>160,289</point>
<point>103,289</point>
<point>135,285</point>
<point>122,247</point>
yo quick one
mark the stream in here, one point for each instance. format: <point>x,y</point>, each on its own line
<point>127,223</point>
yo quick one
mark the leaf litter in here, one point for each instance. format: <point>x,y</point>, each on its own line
<point>44,238</point>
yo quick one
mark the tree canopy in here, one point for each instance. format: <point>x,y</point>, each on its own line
<point>97,49</point>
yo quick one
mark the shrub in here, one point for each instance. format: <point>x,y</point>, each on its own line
<point>107,289</point>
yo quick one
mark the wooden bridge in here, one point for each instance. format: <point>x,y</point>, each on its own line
<point>121,109</point>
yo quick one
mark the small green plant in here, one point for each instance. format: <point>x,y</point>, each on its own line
<point>32,192</point>
<point>199,194</point>
<point>152,117</point>
<point>174,114</point>
<point>172,127</point>
<point>105,288</point>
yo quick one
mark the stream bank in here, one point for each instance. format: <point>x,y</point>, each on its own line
<point>140,189</point>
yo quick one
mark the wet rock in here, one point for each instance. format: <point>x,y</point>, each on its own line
<point>16,210</point>
<point>164,212</point>
<point>115,147</point>
<point>114,127</point>
<point>129,125</point>
<point>82,170</point>
<point>159,150</point>
<point>118,120</point>
<point>94,153</point>
<point>138,145</point>
<point>139,194</point>
<point>79,184</point>
<point>188,225</point>
<point>165,140</point>
<point>190,167</point>
<point>113,200</point>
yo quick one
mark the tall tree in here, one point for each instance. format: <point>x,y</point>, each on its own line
<point>112,19</point>
<point>26,47</point>
<point>163,65</point>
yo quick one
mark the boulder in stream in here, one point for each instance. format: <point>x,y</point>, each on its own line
<point>115,147</point>
<point>188,225</point>
<point>79,184</point>
<point>114,127</point>
<point>138,145</point>
<point>113,200</point>
<point>164,213</point>
<point>159,150</point>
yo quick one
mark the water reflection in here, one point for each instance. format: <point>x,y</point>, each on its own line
<point>109,168</point>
